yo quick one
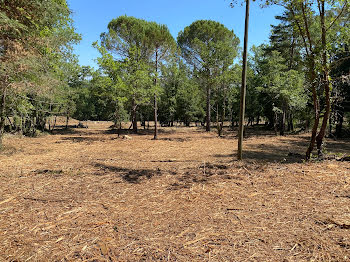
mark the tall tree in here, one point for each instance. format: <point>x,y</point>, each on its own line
<point>163,46</point>
<point>208,47</point>
<point>127,42</point>
<point>285,39</point>
<point>313,21</point>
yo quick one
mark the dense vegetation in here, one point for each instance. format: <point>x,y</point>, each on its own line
<point>299,80</point>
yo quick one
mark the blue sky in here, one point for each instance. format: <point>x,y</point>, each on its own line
<point>91,18</point>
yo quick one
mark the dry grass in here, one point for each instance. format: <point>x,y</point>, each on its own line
<point>86,195</point>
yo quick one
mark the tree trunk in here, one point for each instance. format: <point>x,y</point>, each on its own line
<point>330,124</point>
<point>258,120</point>
<point>275,122</point>
<point>208,110</point>
<point>21,125</point>
<point>54,124</point>
<point>312,75</point>
<point>2,114</point>
<point>322,132</point>
<point>290,122</point>
<point>49,123</point>
<point>315,126</point>
<point>134,120</point>
<point>67,120</point>
<point>222,118</point>
<point>316,106</point>
<point>217,119</point>
<point>307,125</point>
<point>134,116</point>
<point>12,126</point>
<point>155,118</point>
<point>282,123</point>
<point>339,126</point>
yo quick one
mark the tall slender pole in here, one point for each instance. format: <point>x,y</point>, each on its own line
<point>243,87</point>
<point>155,101</point>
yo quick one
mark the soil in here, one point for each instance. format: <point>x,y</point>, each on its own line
<point>88,195</point>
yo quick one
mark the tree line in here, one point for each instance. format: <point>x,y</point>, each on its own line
<point>300,78</point>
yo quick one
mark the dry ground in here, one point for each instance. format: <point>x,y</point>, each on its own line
<point>86,195</point>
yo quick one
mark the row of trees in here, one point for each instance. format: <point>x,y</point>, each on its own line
<point>35,60</point>
<point>297,71</point>
<point>142,60</point>
<point>145,74</point>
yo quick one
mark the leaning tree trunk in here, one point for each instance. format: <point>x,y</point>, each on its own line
<point>208,110</point>
<point>322,132</point>
<point>307,40</point>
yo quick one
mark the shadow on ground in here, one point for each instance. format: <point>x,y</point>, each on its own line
<point>133,176</point>
<point>186,179</point>
<point>140,132</point>
<point>291,150</point>
<point>73,130</point>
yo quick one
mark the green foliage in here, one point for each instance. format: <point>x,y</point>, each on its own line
<point>35,59</point>
<point>181,98</point>
<point>208,45</point>
<point>131,53</point>
<point>140,59</point>
<point>209,48</point>
<point>281,89</point>
<point>189,103</point>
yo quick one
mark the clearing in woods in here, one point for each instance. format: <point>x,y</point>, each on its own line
<point>87,195</point>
